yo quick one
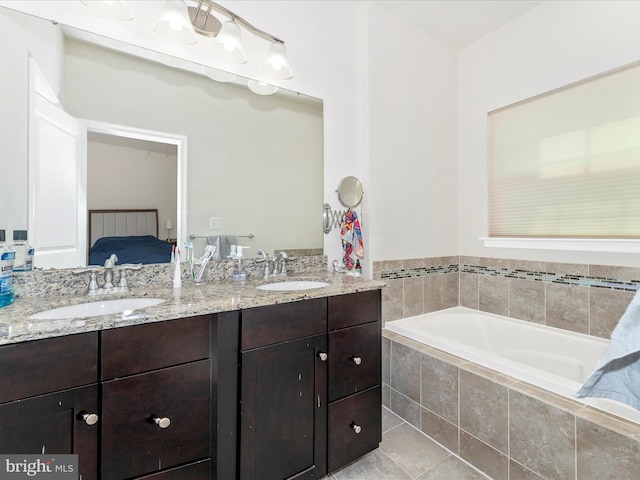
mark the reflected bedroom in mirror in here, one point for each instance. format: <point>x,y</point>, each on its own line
<point>121,149</point>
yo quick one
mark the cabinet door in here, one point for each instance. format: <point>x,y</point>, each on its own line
<point>155,420</point>
<point>54,424</point>
<point>283,418</point>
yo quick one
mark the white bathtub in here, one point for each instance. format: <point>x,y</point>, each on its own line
<point>550,358</point>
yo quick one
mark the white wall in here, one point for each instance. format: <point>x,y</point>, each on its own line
<point>412,141</point>
<point>555,44</point>
<point>133,174</point>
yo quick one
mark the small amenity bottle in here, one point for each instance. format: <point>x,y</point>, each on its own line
<point>7,257</point>
<point>24,252</point>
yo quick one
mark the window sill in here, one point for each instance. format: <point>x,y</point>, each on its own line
<point>576,244</point>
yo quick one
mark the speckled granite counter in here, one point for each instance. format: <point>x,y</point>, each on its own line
<point>190,300</point>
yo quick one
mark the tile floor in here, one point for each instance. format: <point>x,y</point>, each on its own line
<point>406,454</point>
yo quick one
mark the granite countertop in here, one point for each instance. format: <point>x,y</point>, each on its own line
<point>187,301</point>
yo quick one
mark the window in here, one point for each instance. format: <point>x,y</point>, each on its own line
<point>567,164</point>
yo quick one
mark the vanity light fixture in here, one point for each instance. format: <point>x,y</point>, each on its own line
<point>174,23</point>
<point>227,43</point>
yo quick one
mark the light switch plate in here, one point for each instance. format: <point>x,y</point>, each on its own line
<point>215,223</point>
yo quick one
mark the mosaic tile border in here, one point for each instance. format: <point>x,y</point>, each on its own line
<point>546,277</point>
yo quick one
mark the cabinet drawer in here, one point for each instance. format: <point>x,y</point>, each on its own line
<point>132,443</point>
<point>354,309</point>
<point>43,366</point>
<point>354,360</point>
<point>346,441</point>
<point>194,471</point>
<point>141,348</point>
<point>272,324</point>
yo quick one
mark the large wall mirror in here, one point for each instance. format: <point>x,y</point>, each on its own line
<point>213,157</point>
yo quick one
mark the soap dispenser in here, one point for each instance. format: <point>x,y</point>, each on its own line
<point>239,273</point>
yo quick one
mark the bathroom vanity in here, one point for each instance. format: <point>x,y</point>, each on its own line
<point>272,391</point>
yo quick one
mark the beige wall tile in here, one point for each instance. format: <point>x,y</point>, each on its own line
<point>405,371</point>
<point>450,290</point>
<point>542,437</point>
<point>392,299</point>
<point>606,307</point>
<point>432,293</point>
<point>607,271</point>
<point>439,388</point>
<point>484,410</point>
<point>518,472</point>
<point>527,265</point>
<point>483,457</point>
<point>405,407</point>
<point>603,454</point>
<point>440,430</point>
<point>566,268</point>
<point>413,290</point>
<point>469,290</point>
<point>493,294</point>
<point>527,300</point>
<point>568,307</point>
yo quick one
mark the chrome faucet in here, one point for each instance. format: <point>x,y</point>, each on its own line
<point>109,265</point>
<point>265,258</point>
<point>281,257</point>
<point>108,286</point>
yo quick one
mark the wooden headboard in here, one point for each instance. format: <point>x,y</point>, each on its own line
<point>122,223</point>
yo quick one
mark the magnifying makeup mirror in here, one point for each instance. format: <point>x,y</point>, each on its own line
<point>350,192</point>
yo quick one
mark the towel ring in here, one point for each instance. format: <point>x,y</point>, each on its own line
<point>350,192</point>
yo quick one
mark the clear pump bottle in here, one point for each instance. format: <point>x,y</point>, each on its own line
<point>24,252</point>
<point>7,258</point>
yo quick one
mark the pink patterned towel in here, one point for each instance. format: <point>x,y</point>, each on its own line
<point>351,236</point>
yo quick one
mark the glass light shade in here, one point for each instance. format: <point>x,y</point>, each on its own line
<point>174,23</point>
<point>261,88</point>
<point>276,64</point>
<point>228,44</point>
<point>113,9</point>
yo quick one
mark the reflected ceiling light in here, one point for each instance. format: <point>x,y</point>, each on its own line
<point>261,88</point>
<point>174,23</point>
<point>227,43</point>
<point>218,75</point>
<point>113,9</point>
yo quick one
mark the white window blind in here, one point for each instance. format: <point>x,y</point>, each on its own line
<point>567,164</point>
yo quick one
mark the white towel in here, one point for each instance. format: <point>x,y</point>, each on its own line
<point>618,373</point>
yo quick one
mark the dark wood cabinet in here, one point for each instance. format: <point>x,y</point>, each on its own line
<point>284,410</point>
<point>54,424</point>
<point>283,394</point>
<point>287,391</point>
<point>49,399</point>
<point>156,397</point>
<point>355,401</point>
<point>310,391</point>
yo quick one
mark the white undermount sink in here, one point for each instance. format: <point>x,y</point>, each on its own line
<point>292,286</point>
<point>95,309</point>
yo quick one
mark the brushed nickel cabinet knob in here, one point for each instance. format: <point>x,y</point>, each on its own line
<point>356,360</point>
<point>90,418</point>
<point>356,428</point>
<point>323,356</point>
<point>162,422</point>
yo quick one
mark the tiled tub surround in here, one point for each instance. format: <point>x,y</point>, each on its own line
<point>507,428</point>
<point>582,298</point>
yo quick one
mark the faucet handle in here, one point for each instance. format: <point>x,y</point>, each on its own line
<point>93,283</point>
<point>122,282</point>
